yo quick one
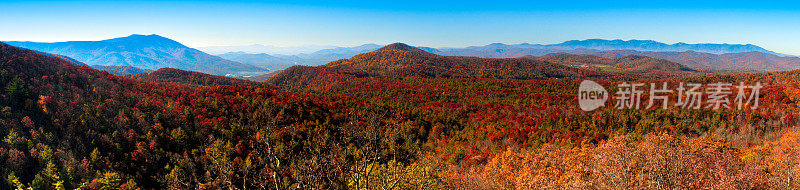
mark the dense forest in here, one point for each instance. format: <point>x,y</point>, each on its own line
<point>631,63</point>
<point>172,75</point>
<point>395,118</point>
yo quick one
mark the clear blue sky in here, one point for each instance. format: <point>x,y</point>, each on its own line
<point>773,25</point>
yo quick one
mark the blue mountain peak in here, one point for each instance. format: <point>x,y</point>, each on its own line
<point>145,40</point>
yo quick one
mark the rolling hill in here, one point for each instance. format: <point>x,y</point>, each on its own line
<point>401,60</point>
<point>396,114</point>
<point>716,57</point>
<point>747,61</point>
<point>121,70</point>
<point>72,120</point>
<point>629,63</point>
<point>171,75</point>
<point>141,51</point>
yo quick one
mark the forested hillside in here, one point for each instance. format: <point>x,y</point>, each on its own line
<point>403,60</point>
<point>69,126</point>
<point>121,70</point>
<point>630,64</point>
<point>529,134</point>
<point>141,51</point>
<point>745,61</point>
<point>171,75</point>
<point>348,125</point>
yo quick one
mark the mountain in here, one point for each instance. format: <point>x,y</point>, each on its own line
<point>278,62</point>
<point>262,77</point>
<point>141,51</point>
<point>430,49</point>
<point>281,61</point>
<point>650,45</point>
<point>121,70</point>
<point>327,55</point>
<point>90,126</point>
<point>729,57</point>
<point>116,70</point>
<point>68,126</point>
<point>68,59</point>
<point>194,78</point>
<point>349,50</point>
<point>262,60</point>
<point>401,47</point>
<point>499,50</point>
<point>257,48</point>
<point>401,60</point>
<point>630,64</point>
<point>746,61</point>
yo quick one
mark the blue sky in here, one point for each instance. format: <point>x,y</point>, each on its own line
<point>773,25</point>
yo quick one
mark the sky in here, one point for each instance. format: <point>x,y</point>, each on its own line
<point>774,25</point>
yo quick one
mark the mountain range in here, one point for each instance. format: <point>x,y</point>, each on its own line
<point>401,60</point>
<point>171,75</point>
<point>263,60</point>
<point>629,63</point>
<point>650,45</point>
<point>278,61</point>
<point>499,50</point>
<point>736,57</point>
<point>395,109</point>
<point>121,70</point>
<point>258,48</point>
<point>744,61</point>
<point>744,57</point>
<point>142,51</point>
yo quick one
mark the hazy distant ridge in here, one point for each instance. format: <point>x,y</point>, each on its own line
<point>141,51</point>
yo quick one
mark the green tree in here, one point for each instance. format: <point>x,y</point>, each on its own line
<point>109,180</point>
<point>16,91</point>
<point>38,182</point>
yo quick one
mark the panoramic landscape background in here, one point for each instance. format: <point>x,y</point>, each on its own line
<point>398,95</point>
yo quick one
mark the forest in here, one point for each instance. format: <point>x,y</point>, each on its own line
<point>395,118</point>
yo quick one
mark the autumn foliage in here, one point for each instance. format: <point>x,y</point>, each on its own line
<point>397,118</point>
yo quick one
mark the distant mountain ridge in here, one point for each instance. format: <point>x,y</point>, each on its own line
<point>141,51</point>
<point>324,56</point>
<point>752,61</point>
<point>321,57</point>
<point>401,60</point>
<point>740,57</point>
<point>258,48</point>
<point>629,63</point>
<point>499,50</point>
<point>121,70</point>
<point>263,60</point>
<point>650,45</point>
